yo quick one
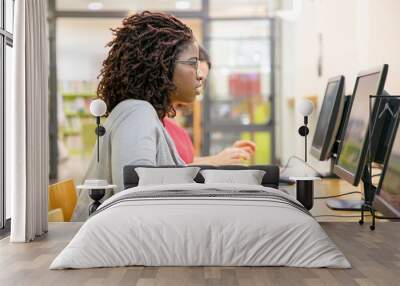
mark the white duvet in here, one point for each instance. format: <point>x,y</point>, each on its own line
<point>183,231</point>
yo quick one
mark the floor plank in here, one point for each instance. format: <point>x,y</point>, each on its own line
<point>375,257</point>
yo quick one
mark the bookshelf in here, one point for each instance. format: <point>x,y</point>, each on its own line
<point>77,131</point>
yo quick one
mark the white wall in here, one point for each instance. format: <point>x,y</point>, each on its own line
<point>357,35</point>
<point>81,46</point>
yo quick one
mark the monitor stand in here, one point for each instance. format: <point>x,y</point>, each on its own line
<point>355,205</point>
<point>345,205</point>
<point>340,204</point>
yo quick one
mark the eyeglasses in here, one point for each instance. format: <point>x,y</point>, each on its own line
<point>193,62</point>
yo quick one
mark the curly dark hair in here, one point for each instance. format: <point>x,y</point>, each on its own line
<point>141,61</point>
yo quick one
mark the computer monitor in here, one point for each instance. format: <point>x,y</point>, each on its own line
<point>387,199</point>
<point>329,119</point>
<point>353,148</point>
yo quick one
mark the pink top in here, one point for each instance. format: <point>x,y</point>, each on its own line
<point>181,138</point>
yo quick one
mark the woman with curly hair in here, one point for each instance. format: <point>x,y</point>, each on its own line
<point>152,65</point>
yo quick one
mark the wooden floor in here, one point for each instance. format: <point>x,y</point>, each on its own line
<point>374,255</point>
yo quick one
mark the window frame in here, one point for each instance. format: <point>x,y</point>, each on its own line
<point>6,39</point>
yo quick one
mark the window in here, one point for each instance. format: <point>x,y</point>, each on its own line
<point>127,5</point>
<point>241,91</point>
<point>6,43</point>
<point>240,8</point>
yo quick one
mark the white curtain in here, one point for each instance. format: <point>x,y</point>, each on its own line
<point>27,135</point>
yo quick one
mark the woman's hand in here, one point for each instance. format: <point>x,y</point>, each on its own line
<point>246,145</point>
<point>230,156</point>
<point>240,151</point>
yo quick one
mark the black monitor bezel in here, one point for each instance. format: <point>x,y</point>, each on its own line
<point>380,203</point>
<point>325,151</point>
<point>343,173</point>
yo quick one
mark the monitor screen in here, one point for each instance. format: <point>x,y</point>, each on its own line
<point>387,200</point>
<point>354,144</point>
<point>329,119</point>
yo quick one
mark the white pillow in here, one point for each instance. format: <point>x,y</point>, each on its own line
<point>164,176</point>
<point>248,177</point>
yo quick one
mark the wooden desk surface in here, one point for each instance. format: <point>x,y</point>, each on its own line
<point>331,187</point>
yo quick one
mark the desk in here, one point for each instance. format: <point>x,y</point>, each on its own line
<point>331,187</point>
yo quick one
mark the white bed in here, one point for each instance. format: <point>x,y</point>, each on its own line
<point>224,225</point>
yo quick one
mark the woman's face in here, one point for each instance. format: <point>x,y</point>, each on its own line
<point>187,76</point>
<point>203,66</point>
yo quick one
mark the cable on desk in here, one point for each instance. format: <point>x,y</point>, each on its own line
<point>340,195</point>
<point>342,216</point>
<point>376,175</point>
<point>386,217</point>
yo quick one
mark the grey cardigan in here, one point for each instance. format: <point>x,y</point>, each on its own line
<point>134,136</point>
